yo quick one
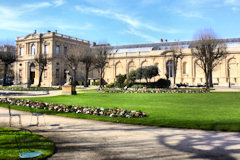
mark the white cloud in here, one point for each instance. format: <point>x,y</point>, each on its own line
<point>132,22</point>
<point>86,26</point>
<point>235,9</point>
<point>189,14</point>
<point>148,2</point>
<point>59,2</point>
<point>14,12</point>
<point>234,4</point>
<point>35,6</point>
<point>230,1</point>
<point>142,35</point>
<point>11,18</point>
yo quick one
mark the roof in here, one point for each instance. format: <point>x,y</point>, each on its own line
<point>123,50</point>
<point>159,46</point>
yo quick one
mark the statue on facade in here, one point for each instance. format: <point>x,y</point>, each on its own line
<point>68,79</point>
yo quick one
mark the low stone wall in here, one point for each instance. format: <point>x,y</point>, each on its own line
<point>23,93</point>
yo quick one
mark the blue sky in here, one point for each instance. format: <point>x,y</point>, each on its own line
<point>120,21</point>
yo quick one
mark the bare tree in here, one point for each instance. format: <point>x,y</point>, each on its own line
<point>209,51</point>
<point>176,54</point>
<point>72,58</point>
<point>101,60</point>
<point>7,56</point>
<point>42,60</point>
<point>87,58</point>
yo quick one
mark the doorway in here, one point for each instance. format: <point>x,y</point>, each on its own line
<point>32,73</point>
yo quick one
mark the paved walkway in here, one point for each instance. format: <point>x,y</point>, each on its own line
<point>226,89</point>
<point>96,140</point>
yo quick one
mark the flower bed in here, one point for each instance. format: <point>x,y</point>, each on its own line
<point>159,91</point>
<point>76,109</point>
<point>28,89</point>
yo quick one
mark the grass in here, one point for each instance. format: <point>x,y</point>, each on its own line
<point>208,111</point>
<point>9,150</point>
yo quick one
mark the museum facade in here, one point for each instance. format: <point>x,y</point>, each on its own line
<point>54,45</point>
<point>121,60</point>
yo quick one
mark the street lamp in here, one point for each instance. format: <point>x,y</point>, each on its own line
<point>229,82</point>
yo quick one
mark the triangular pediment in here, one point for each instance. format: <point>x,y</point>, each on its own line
<point>31,36</point>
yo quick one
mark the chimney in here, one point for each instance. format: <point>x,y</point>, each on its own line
<point>55,31</point>
<point>161,40</point>
<point>93,44</point>
<point>165,40</point>
<point>35,31</point>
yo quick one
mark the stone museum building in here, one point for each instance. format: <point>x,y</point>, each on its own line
<point>121,60</point>
<point>51,43</point>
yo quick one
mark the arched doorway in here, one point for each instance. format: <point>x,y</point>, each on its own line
<point>32,73</point>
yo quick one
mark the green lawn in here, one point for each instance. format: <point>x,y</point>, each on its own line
<point>210,111</point>
<point>8,146</point>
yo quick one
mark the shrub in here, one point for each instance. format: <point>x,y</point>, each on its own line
<point>120,79</point>
<point>132,76</point>
<point>147,72</point>
<point>163,83</point>
<point>128,84</point>
<point>110,85</point>
<point>136,86</point>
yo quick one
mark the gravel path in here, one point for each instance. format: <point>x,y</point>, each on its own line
<point>95,140</point>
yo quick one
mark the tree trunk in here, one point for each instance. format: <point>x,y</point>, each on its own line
<point>74,77</point>
<point>101,78</point>
<point>146,81</point>
<point>40,78</point>
<point>175,71</point>
<point>207,79</point>
<point>5,74</point>
<point>86,76</point>
<point>210,79</point>
<point>174,80</point>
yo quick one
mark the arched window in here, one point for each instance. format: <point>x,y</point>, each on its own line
<point>33,49</point>
<point>144,64</point>
<point>184,67</point>
<point>131,67</point>
<point>21,51</point>
<point>118,69</point>
<point>170,68</point>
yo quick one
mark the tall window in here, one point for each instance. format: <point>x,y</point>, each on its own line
<point>57,73</point>
<point>45,73</point>
<point>170,68</point>
<point>21,51</point>
<point>33,49</point>
<point>184,67</point>
<point>57,49</point>
<point>65,50</point>
<point>46,49</point>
